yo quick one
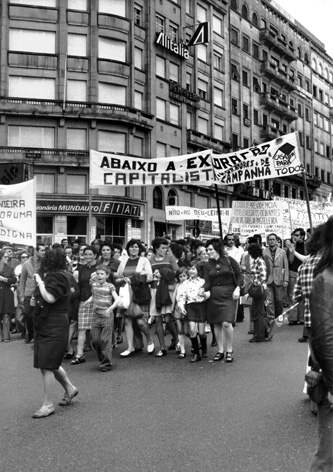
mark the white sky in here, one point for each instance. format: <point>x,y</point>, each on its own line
<point>316,16</point>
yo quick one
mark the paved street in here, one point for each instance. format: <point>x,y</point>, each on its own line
<point>165,414</point>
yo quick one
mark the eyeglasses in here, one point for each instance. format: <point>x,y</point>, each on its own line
<point>24,257</point>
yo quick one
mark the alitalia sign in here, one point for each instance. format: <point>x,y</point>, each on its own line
<point>177,48</point>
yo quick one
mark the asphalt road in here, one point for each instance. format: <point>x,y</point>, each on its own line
<point>163,415</point>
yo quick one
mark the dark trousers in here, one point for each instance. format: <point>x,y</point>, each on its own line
<point>274,297</point>
<point>28,317</point>
<point>323,460</point>
<point>259,325</point>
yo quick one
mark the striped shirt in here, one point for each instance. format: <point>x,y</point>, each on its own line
<point>102,297</point>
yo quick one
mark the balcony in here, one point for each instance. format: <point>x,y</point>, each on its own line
<point>202,141</point>
<point>82,110</point>
<point>279,75</point>
<point>269,133</point>
<point>278,106</point>
<point>46,156</point>
<point>248,191</point>
<point>271,40</point>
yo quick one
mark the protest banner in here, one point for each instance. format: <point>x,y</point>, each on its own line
<point>18,213</point>
<point>189,213</point>
<point>111,170</point>
<point>277,158</point>
<point>258,217</point>
<point>296,214</point>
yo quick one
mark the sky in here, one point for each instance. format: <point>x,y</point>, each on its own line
<point>316,16</point>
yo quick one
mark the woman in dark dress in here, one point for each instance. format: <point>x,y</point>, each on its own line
<point>51,324</point>
<point>7,278</point>
<point>223,280</point>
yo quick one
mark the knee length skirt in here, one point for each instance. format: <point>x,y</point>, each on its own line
<point>220,306</point>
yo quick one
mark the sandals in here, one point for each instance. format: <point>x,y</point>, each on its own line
<point>218,356</point>
<point>68,398</point>
<point>78,360</point>
<point>161,353</point>
<point>68,355</point>
<point>229,356</point>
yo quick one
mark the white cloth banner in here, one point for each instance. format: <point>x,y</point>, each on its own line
<point>189,213</point>
<point>111,170</point>
<point>258,217</point>
<point>277,158</point>
<point>296,213</point>
<point>18,213</point>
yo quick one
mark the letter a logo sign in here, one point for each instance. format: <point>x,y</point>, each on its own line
<point>201,35</point>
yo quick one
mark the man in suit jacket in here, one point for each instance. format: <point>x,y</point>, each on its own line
<point>278,275</point>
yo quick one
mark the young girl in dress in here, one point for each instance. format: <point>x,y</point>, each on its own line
<point>179,316</point>
<point>193,304</point>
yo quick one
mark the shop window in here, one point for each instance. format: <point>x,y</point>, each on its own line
<point>158,198</point>
<point>44,225</point>
<point>77,226</point>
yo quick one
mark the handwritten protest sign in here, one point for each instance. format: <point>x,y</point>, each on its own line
<point>296,213</point>
<point>18,213</point>
<point>263,217</point>
<point>189,213</point>
<point>277,158</point>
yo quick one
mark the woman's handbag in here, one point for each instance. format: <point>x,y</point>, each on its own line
<point>125,297</point>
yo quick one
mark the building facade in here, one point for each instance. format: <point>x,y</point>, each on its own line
<point>117,76</point>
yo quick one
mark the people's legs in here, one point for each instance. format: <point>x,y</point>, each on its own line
<point>259,318</point>
<point>48,382</point>
<point>81,336</point>
<point>129,333</point>
<point>218,336</point>
<point>203,339</point>
<point>213,335</point>
<point>1,327</point>
<point>323,460</point>
<point>270,308</point>
<point>28,312</point>
<point>119,328</point>
<point>278,299</point>
<point>194,340</point>
<point>181,337</point>
<point>293,314</point>
<point>61,376</point>
<point>171,327</point>
<point>72,328</point>
<point>96,333</point>
<point>228,331</point>
<point>160,331</point>
<point>144,327</point>
<point>106,325</point>
<point>19,319</point>
<point>6,326</point>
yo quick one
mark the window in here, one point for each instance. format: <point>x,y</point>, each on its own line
<point>218,61</point>
<point>138,58</point>
<point>245,43</point>
<point>111,141</point>
<point>202,89</point>
<point>76,138</point>
<point>174,72</point>
<point>234,141</point>
<point>275,124</point>
<point>173,32</point>
<point>299,80</point>
<point>160,67</point>
<point>256,85</point>
<point>314,91</point>
<point>30,136</point>
<point>306,58</point>
<point>301,138</point>
<point>77,5</point>
<point>246,143</point>
<point>316,145</point>
<point>189,120</point>
<point>137,15</point>
<point>307,142</point>
<point>327,99</point>
<point>188,81</point>
<point>234,5</point>
<point>234,36</point>
<point>326,124</point>
<point>245,111</point>
<point>160,109</point>
<point>307,85</point>
<point>322,175</point>
<point>255,50</point>
<point>218,97</point>
<point>138,146</point>
<point>45,183</point>
<point>32,87</point>
<point>245,12</point>
<point>218,25</point>
<point>202,52</point>
<point>234,106</point>
<point>245,78</point>
<point>160,24</point>
<point>256,117</point>
<point>203,126</point>
<point>317,171</point>
<point>111,93</point>
<point>328,178</point>
<point>327,151</point>
<point>77,45</point>
<point>138,100</point>
<point>111,49</point>
<point>300,110</point>
<point>32,41</point>
<point>39,3</point>
<point>158,198</point>
<point>116,7</point>
<point>255,19</point>
<point>307,114</point>
<point>76,184</point>
<point>172,195</point>
<point>201,14</point>
<point>76,91</point>
<point>218,132</point>
<point>174,114</point>
<point>160,149</point>
<point>234,72</point>
<point>321,149</point>
<point>321,95</point>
